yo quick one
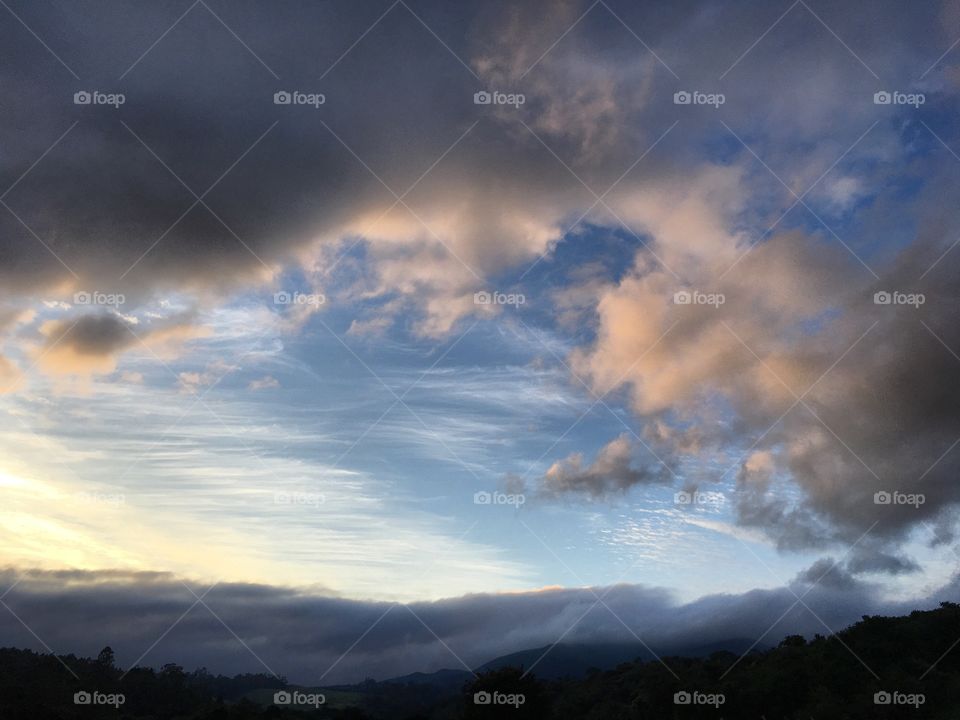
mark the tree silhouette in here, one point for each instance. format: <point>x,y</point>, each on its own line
<point>105,658</point>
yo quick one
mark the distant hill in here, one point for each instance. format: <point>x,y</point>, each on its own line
<point>878,669</point>
<point>575,660</point>
<point>440,678</point>
<point>572,660</point>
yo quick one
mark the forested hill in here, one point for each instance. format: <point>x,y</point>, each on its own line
<point>881,667</point>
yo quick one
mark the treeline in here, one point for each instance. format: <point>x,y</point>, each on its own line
<point>36,686</point>
<point>879,668</point>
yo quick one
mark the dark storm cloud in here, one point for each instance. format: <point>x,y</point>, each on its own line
<point>275,180</point>
<point>827,573</point>
<point>884,421</point>
<point>96,335</point>
<point>201,102</point>
<point>91,344</point>
<point>862,560</point>
<point>303,635</point>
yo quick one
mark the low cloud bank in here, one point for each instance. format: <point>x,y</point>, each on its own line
<point>311,637</point>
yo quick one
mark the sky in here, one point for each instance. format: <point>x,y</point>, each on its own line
<point>473,312</point>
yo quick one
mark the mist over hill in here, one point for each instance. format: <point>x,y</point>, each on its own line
<point>880,667</point>
<point>311,638</point>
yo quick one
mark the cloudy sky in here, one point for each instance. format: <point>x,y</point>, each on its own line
<point>479,308</point>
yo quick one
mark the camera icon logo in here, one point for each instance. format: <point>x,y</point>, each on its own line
<point>882,298</point>
<point>282,298</point>
<point>282,697</point>
<point>882,98</point>
<point>482,298</point>
<point>682,297</point>
<point>482,698</point>
<point>81,298</point>
<point>882,498</point>
<point>82,698</point>
<point>82,97</point>
<point>682,97</point>
<point>482,498</point>
<point>882,698</point>
<point>482,98</point>
<point>282,97</point>
<point>682,498</point>
<point>682,698</point>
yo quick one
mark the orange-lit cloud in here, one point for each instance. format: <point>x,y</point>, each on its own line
<point>93,344</point>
